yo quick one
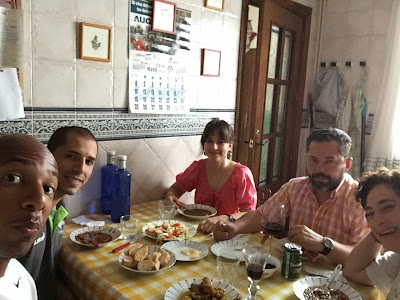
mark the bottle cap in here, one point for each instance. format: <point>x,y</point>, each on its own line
<point>121,157</point>
<point>110,152</point>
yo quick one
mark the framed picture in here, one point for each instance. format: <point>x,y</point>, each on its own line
<point>215,4</point>
<point>164,16</point>
<point>210,62</point>
<point>95,42</point>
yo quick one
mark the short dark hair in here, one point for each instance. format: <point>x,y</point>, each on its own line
<point>331,134</point>
<point>59,137</point>
<point>390,178</point>
<point>220,127</point>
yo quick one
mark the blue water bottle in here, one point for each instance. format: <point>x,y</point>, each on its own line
<point>106,192</point>
<point>121,190</point>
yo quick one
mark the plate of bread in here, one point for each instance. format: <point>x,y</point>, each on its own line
<point>146,259</point>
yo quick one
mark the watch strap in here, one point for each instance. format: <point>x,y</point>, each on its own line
<point>328,246</point>
<point>231,218</point>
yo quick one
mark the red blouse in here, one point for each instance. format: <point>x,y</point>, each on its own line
<point>238,192</point>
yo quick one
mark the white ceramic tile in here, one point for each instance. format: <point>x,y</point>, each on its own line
<point>121,147</point>
<point>359,23</point>
<point>356,5</point>
<point>120,88</point>
<point>96,11</point>
<point>358,48</point>
<point>53,84</point>
<point>27,50</point>
<point>233,7</point>
<point>122,9</point>
<point>191,91</point>
<point>195,28</point>
<point>54,7</point>
<point>333,50</point>
<point>387,4</point>
<point>335,25</point>
<point>208,92</point>
<point>26,5</point>
<point>53,37</point>
<point>380,21</point>
<point>230,32</point>
<point>229,64</point>
<point>227,94</point>
<point>193,65</point>
<point>198,3</point>
<point>193,142</point>
<point>121,50</point>
<point>93,85</point>
<point>27,83</point>
<point>211,28</point>
<point>336,6</point>
<point>161,147</point>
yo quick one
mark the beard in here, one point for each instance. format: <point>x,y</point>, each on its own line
<point>324,186</point>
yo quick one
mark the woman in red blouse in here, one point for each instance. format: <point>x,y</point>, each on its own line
<point>220,182</point>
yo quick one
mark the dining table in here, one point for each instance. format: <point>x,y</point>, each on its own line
<point>95,273</point>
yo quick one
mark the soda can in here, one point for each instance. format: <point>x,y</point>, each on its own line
<point>291,262</point>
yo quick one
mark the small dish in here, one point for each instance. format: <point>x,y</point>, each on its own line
<point>300,285</point>
<point>230,246</point>
<point>176,290</point>
<point>191,230</point>
<point>177,247</point>
<point>152,249</point>
<point>211,211</point>
<point>269,272</point>
<point>115,233</point>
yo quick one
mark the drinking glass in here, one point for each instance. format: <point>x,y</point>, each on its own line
<point>166,210</point>
<point>256,259</point>
<point>129,227</point>
<point>227,267</point>
<point>276,223</point>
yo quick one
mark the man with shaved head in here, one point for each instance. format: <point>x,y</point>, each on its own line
<point>28,181</point>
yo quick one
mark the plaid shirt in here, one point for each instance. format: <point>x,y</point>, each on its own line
<point>341,218</point>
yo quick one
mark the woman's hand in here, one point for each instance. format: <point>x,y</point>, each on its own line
<point>173,198</point>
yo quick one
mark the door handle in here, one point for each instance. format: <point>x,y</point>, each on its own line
<point>250,142</point>
<point>263,143</point>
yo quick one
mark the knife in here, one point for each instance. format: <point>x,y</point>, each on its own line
<point>127,244</point>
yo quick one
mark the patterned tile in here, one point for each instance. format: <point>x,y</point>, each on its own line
<point>100,124</point>
<point>45,123</point>
<point>23,125</point>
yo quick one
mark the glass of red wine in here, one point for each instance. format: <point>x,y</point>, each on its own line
<point>256,259</point>
<point>275,226</point>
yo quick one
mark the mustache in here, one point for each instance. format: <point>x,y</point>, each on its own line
<point>313,176</point>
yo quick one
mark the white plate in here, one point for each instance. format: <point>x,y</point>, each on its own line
<point>115,233</point>
<point>212,211</point>
<point>191,229</point>
<point>230,247</point>
<point>152,249</point>
<point>176,247</point>
<point>300,285</point>
<point>178,288</point>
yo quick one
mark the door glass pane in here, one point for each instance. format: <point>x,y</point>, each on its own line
<point>273,52</point>
<point>269,96</point>
<point>287,48</point>
<point>277,160</point>
<point>281,108</point>
<point>264,162</point>
<point>252,28</point>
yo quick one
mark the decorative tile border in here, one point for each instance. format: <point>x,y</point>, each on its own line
<point>113,125</point>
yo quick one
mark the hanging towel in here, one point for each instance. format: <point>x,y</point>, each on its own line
<point>329,91</point>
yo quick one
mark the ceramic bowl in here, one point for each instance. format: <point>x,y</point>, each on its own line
<point>273,261</point>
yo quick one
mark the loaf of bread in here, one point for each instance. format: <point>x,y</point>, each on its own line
<point>129,262</point>
<point>165,258</point>
<point>141,253</point>
<point>145,265</point>
<point>140,258</point>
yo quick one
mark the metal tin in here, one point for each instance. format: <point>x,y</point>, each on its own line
<point>291,262</point>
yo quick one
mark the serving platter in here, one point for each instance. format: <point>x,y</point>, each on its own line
<point>229,247</point>
<point>177,247</point>
<point>115,233</point>
<point>152,249</point>
<point>211,211</point>
<point>191,230</point>
<point>300,285</point>
<point>175,291</point>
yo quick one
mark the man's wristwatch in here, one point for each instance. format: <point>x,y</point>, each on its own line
<point>231,218</point>
<point>328,246</point>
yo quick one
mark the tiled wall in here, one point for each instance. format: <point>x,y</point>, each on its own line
<point>59,89</point>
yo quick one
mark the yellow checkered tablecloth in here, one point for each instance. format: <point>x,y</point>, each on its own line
<point>96,273</point>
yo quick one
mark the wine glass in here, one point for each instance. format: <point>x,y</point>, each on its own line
<point>256,259</point>
<point>275,226</point>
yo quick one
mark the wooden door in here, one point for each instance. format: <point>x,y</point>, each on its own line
<point>270,91</point>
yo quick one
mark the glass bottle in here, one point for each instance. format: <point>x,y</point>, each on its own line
<point>106,186</point>
<point>121,190</point>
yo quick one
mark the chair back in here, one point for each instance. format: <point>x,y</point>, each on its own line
<point>263,195</point>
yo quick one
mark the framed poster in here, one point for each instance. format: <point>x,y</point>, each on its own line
<point>210,62</point>
<point>95,42</point>
<point>215,4</point>
<point>164,16</point>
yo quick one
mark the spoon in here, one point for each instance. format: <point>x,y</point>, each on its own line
<point>335,272</point>
<point>89,238</point>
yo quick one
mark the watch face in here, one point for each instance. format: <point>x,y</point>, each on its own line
<point>328,243</point>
